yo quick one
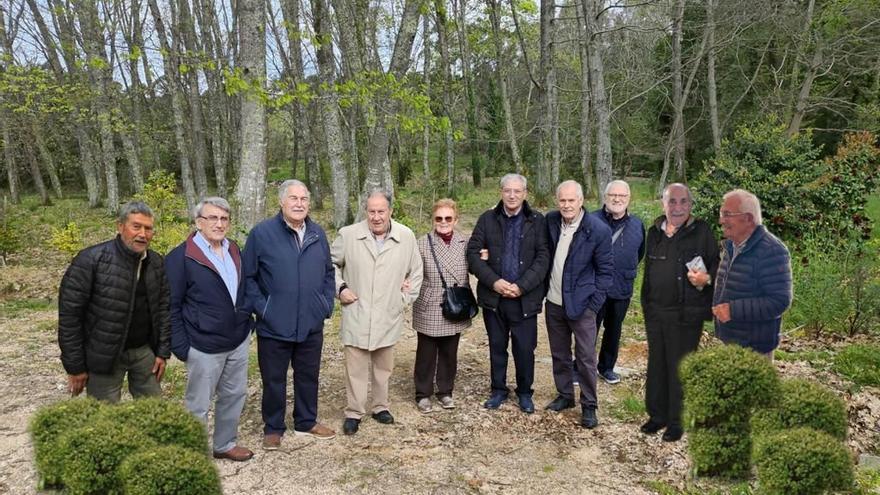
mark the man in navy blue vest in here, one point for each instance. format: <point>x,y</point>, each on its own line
<point>511,286</point>
<point>628,246</point>
<point>753,286</point>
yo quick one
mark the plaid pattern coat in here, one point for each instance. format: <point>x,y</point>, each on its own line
<point>427,315</point>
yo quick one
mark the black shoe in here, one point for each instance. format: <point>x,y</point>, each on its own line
<point>673,433</point>
<point>526,404</point>
<point>588,418</point>
<point>560,403</point>
<point>384,417</point>
<point>495,401</point>
<point>652,427</point>
<point>350,426</point>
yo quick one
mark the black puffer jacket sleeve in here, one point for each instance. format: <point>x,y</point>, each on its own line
<point>162,315</point>
<point>74,296</point>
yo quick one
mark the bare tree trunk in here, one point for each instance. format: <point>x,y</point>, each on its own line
<point>464,49</point>
<point>426,131</point>
<point>501,75</point>
<point>443,43</point>
<point>250,190</point>
<point>36,175</point>
<point>46,157</point>
<point>9,158</point>
<point>677,96</point>
<point>186,32</point>
<point>710,77</point>
<point>547,79</point>
<point>601,108</point>
<point>803,97</point>
<point>586,148</point>
<point>329,114</point>
<point>218,108</point>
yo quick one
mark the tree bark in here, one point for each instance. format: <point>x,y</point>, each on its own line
<point>46,157</point>
<point>250,190</point>
<point>586,130</point>
<point>187,33</point>
<point>443,43</point>
<point>36,175</point>
<point>501,75</point>
<point>677,96</point>
<point>711,87</point>
<point>601,108</point>
<point>426,131</point>
<point>547,102</point>
<point>9,158</point>
<point>467,79</point>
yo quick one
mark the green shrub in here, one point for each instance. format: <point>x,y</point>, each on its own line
<point>169,470</point>
<point>166,422</point>
<point>860,363</point>
<point>171,220</point>
<point>802,461</point>
<point>722,384</point>
<point>93,453</point>
<point>47,426</point>
<point>721,451</point>
<point>68,240</point>
<point>803,403</point>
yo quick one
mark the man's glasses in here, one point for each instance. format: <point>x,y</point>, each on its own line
<point>214,219</point>
<point>443,219</point>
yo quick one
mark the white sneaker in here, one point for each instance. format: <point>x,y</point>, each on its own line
<point>446,402</point>
<point>424,405</point>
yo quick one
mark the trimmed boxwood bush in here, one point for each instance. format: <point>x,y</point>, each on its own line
<point>166,422</point>
<point>860,363</point>
<point>92,454</point>
<point>803,403</point>
<point>722,384</point>
<point>47,426</point>
<point>169,470</point>
<point>802,461</point>
<point>721,451</point>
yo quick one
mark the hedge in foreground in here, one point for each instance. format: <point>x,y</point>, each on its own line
<point>166,422</point>
<point>47,427</point>
<point>803,403</point>
<point>169,470</point>
<point>802,461</point>
<point>721,451</point>
<point>723,384</point>
<point>92,454</point>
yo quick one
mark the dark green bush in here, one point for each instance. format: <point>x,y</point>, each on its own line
<point>47,426</point>
<point>860,363</point>
<point>803,403</point>
<point>721,451</point>
<point>93,453</point>
<point>723,384</point>
<point>169,470</point>
<point>166,422</point>
<point>802,461</point>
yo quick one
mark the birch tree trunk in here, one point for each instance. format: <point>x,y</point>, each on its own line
<point>250,189</point>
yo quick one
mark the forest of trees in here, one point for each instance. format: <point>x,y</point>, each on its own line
<point>354,94</point>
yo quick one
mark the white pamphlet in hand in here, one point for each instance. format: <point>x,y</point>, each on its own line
<point>696,265</point>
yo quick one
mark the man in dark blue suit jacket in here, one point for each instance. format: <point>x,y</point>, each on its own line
<point>210,323</point>
<point>580,275</point>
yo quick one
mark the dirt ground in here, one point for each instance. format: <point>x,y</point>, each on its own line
<point>465,450</point>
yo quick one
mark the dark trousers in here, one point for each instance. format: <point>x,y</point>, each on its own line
<point>275,356</point>
<point>612,314</point>
<point>560,330</point>
<point>435,356</point>
<point>669,340</point>
<point>506,325</point>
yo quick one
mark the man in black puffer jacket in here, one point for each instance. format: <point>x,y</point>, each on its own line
<point>113,315</point>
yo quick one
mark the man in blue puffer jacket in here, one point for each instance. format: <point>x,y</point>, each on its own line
<point>753,287</point>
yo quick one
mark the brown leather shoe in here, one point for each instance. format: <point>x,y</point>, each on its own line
<point>271,441</point>
<point>237,454</point>
<point>318,431</point>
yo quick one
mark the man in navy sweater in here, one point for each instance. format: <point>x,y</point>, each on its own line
<point>210,325</point>
<point>753,285</point>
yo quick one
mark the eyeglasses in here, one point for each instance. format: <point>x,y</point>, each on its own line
<point>443,219</point>
<point>214,219</point>
<point>729,214</point>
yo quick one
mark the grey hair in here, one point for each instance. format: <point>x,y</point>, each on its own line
<point>748,203</point>
<point>282,189</point>
<point>213,201</point>
<point>133,208</point>
<point>617,182</point>
<point>379,192</point>
<point>578,188</point>
<point>665,195</point>
<point>509,177</point>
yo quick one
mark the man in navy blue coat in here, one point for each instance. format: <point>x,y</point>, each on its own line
<point>753,287</point>
<point>210,324</point>
<point>290,284</point>
<point>628,246</point>
<point>580,275</point>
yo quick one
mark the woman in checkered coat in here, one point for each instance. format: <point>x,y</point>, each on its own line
<point>437,350</point>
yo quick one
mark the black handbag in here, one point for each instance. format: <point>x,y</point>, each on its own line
<point>458,302</point>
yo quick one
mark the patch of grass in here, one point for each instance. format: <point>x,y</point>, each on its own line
<point>860,363</point>
<point>13,308</point>
<point>816,358</point>
<point>548,468</point>
<point>867,481</point>
<point>628,405</point>
<point>174,381</point>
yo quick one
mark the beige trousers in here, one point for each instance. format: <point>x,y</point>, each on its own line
<point>367,371</point>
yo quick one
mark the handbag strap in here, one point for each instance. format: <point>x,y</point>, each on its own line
<point>434,255</point>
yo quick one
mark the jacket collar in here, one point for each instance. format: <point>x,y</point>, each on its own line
<point>195,253</point>
<point>128,253</point>
<point>363,231</point>
<point>753,239</point>
<point>658,223</point>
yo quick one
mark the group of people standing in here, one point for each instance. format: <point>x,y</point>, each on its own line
<point>123,309</point>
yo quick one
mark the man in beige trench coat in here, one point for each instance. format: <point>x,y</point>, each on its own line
<point>378,273</point>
